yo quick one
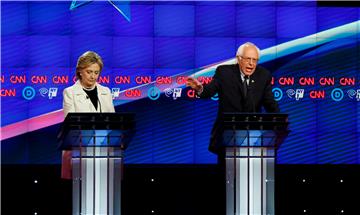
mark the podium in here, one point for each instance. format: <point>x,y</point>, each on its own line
<point>97,141</point>
<point>251,142</point>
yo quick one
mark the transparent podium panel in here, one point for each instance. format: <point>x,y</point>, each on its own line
<point>97,175</point>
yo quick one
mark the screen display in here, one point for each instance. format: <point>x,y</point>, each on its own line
<point>149,48</point>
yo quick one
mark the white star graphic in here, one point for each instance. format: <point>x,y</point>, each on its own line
<point>122,6</point>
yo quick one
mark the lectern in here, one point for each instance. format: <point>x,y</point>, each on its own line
<point>97,141</point>
<point>251,142</point>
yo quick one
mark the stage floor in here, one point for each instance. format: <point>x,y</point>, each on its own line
<point>184,190</point>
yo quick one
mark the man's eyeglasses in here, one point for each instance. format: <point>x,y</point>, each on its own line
<point>249,59</point>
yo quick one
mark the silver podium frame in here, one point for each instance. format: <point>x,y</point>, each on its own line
<point>251,142</point>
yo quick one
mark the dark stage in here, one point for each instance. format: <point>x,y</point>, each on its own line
<point>185,190</point>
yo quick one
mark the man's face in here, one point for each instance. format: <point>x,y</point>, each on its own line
<point>248,61</point>
<point>89,75</point>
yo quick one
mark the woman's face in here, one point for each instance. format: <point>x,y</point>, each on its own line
<point>89,75</point>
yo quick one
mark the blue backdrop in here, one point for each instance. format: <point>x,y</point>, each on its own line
<point>41,41</point>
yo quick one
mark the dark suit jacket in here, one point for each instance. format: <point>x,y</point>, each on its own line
<point>228,84</point>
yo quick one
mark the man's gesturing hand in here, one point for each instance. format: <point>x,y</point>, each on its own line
<point>194,84</point>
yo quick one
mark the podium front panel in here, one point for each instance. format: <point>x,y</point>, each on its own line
<point>249,184</point>
<point>97,180</point>
<point>250,141</point>
<point>97,141</point>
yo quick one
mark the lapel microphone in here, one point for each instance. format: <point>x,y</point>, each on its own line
<point>99,103</point>
<point>252,103</point>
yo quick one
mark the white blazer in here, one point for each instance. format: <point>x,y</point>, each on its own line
<point>76,100</point>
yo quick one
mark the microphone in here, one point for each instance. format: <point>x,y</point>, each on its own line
<point>99,103</point>
<point>250,98</point>
<point>87,97</point>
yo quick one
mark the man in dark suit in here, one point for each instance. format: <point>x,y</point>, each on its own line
<point>242,87</point>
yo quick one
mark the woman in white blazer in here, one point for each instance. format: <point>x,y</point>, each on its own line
<point>86,95</point>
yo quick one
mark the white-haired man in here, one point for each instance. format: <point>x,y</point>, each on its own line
<point>242,87</point>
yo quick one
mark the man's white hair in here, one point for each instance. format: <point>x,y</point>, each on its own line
<point>241,48</point>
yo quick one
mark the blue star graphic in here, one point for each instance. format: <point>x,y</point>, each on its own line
<point>122,6</point>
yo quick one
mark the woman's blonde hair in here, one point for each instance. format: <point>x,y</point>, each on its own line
<point>86,59</point>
